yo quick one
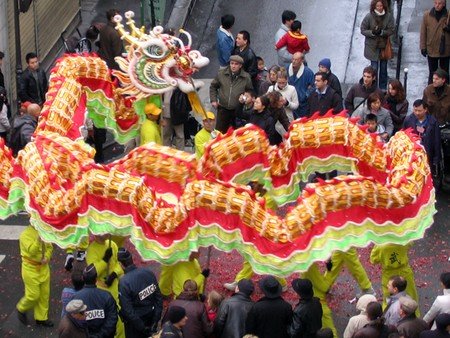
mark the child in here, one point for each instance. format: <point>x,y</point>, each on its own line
<point>262,70</point>
<point>373,126</point>
<point>294,40</point>
<point>245,107</point>
<point>213,303</point>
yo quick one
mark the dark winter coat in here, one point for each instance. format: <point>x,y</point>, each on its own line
<point>28,87</point>
<point>226,91</point>
<point>231,317</point>
<point>269,318</point>
<point>263,120</point>
<point>435,334</point>
<point>374,330</point>
<point>322,103</point>
<point>430,139</point>
<point>411,326</point>
<point>279,114</point>
<point>307,319</point>
<point>140,298</point>
<point>431,32</point>
<point>398,111</point>
<point>198,324</point>
<point>359,93</point>
<point>250,62</point>
<point>334,83</point>
<point>170,331</point>
<point>101,312</point>
<point>69,328</point>
<point>110,45</point>
<point>374,44</point>
<point>438,106</point>
<point>22,131</point>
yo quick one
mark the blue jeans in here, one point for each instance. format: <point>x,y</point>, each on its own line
<point>381,73</point>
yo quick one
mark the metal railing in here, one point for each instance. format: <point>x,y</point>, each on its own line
<point>399,42</point>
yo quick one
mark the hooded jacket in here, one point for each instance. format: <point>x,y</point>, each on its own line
<point>23,128</point>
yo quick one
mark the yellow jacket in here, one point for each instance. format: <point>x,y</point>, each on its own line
<point>390,256</point>
<point>150,132</point>
<point>200,140</point>
<point>172,277</point>
<point>94,255</point>
<point>33,249</point>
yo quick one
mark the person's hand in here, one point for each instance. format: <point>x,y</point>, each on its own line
<point>384,136</point>
<point>44,261</point>
<point>163,122</point>
<point>242,98</point>
<point>108,254</point>
<point>376,31</point>
<point>214,104</point>
<point>424,52</point>
<point>283,101</point>
<point>205,272</point>
<point>110,279</point>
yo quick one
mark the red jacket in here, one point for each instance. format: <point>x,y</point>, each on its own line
<point>295,42</point>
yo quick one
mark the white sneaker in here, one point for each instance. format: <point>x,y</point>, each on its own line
<point>230,286</point>
<point>81,256</point>
<point>68,264</point>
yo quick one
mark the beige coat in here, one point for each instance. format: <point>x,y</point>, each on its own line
<point>431,32</point>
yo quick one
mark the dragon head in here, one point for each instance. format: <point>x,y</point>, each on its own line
<point>156,62</point>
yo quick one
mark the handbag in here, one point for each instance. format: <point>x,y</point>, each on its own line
<point>387,53</point>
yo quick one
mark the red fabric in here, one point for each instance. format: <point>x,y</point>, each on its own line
<point>294,42</point>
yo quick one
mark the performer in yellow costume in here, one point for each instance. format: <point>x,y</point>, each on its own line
<point>351,260</point>
<point>172,277</point>
<point>150,129</point>
<point>394,261</point>
<point>320,288</point>
<point>36,277</point>
<point>102,252</point>
<point>206,134</point>
<point>247,271</point>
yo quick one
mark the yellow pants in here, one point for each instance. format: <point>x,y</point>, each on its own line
<point>247,273</point>
<point>320,287</point>
<point>407,273</point>
<point>36,280</point>
<point>351,261</point>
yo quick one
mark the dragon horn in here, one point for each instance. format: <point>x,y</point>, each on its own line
<point>123,33</point>
<point>135,32</point>
<point>188,35</point>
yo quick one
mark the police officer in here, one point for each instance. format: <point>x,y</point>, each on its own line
<point>101,311</point>
<point>140,298</point>
<point>36,277</point>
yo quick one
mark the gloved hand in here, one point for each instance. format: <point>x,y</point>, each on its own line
<point>446,29</point>
<point>110,279</point>
<point>329,264</point>
<point>205,273</point>
<point>424,52</point>
<point>108,254</point>
<point>376,31</point>
<point>147,331</point>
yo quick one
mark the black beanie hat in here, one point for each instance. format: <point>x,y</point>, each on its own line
<point>176,313</point>
<point>124,257</point>
<point>90,274</point>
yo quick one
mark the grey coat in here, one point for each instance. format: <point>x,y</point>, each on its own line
<point>374,44</point>
<point>383,118</point>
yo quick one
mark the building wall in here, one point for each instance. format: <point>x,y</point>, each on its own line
<point>40,32</point>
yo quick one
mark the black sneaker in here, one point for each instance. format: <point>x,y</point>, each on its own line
<point>22,316</point>
<point>46,323</point>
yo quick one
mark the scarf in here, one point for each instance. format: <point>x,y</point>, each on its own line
<point>380,13</point>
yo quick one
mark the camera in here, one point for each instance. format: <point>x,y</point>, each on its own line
<point>244,98</point>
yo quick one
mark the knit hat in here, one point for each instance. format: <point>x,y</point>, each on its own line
<point>76,306</point>
<point>152,109</point>
<point>246,286</point>
<point>237,58</point>
<point>408,305</point>
<point>325,63</point>
<point>303,287</point>
<point>270,287</point>
<point>176,313</point>
<point>124,256</point>
<point>361,305</point>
